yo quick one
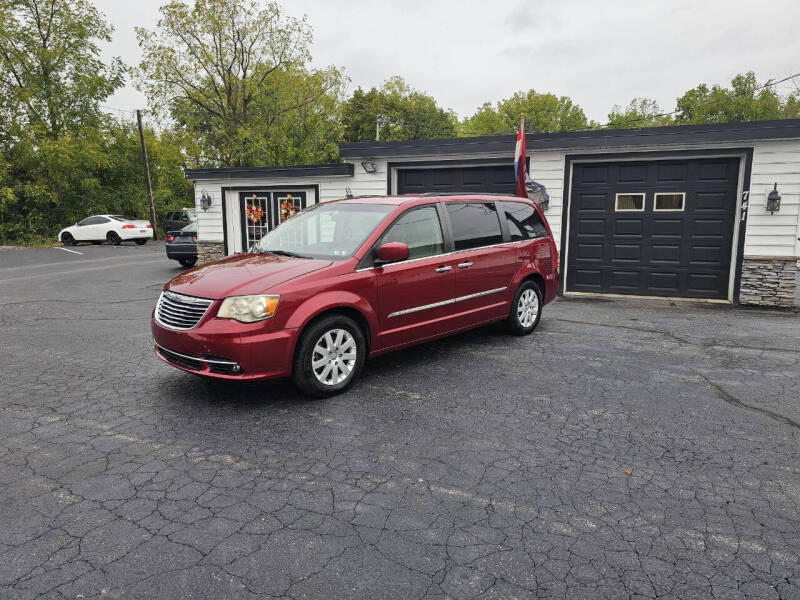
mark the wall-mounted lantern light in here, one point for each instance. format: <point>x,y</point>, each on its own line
<point>369,166</point>
<point>205,201</point>
<point>774,201</point>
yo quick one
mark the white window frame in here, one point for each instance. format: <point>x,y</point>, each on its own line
<point>683,201</point>
<point>616,201</point>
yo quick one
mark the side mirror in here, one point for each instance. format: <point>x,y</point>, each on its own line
<point>392,252</point>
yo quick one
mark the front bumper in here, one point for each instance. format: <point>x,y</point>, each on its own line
<point>216,347</point>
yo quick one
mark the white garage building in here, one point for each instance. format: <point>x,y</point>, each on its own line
<point>668,211</point>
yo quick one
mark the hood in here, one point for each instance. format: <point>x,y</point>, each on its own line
<point>242,274</point>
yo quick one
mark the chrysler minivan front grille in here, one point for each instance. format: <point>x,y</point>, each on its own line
<point>177,311</point>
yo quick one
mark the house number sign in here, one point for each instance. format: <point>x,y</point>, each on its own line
<point>745,202</point>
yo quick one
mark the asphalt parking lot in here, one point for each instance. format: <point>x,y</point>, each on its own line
<point>625,449</point>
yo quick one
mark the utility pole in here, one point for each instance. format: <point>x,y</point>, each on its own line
<point>147,175</point>
<point>378,122</point>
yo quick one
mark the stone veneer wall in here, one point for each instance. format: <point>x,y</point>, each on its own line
<point>768,281</point>
<point>209,251</point>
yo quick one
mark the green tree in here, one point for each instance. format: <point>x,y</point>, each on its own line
<point>52,82</point>
<point>121,187</point>
<point>282,129</point>
<point>745,100</point>
<point>640,112</point>
<point>231,73</point>
<point>51,74</point>
<point>543,112</point>
<point>409,114</point>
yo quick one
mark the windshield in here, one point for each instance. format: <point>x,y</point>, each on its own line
<point>329,231</point>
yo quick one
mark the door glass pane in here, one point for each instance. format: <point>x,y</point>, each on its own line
<point>629,202</point>
<point>474,224</point>
<point>420,230</point>
<point>669,201</point>
<point>288,205</point>
<point>256,218</point>
<point>524,223</point>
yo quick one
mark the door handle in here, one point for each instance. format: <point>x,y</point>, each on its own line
<point>464,265</point>
<point>443,269</point>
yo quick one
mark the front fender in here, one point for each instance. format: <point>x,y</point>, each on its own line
<point>320,303</point>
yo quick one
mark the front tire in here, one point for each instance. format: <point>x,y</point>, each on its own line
<point>526,309</point>
<point>329,357</point>
<point>112,237</point>
<point>67,239</point>
<point>187,262</point>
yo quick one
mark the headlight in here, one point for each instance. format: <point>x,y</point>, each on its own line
<point>248,309</point>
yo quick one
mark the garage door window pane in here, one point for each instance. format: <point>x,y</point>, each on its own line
<point>420,230</point>
<point>474,225</point>
<point>524,223</point>
<point>629,202</point>
<point>670,201</point>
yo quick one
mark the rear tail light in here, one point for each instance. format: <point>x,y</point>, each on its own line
<point>169,238</point>
<point>129,226</point>
<point>149,226</point>
<point>555,258</point>
<point>194,238</point>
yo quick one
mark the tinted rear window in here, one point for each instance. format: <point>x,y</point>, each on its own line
<point>474,224</point>
<point>524,223</point>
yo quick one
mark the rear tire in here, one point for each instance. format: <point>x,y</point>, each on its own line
<point>140,242</point>
<point>329,357</point>
<point>67,239</point>
<point>112,237</point>
<point>187,262</point>
<point>526,309</point>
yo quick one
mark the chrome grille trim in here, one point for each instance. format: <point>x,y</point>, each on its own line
<point>177,311</point>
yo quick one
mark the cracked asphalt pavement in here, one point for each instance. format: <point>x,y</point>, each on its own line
<point>626,449</point>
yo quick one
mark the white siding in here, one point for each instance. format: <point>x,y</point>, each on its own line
<point>767,235</point>
<point>209,222</point>
<point>774,235</point>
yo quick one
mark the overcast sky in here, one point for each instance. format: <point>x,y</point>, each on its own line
<point>466,52</point>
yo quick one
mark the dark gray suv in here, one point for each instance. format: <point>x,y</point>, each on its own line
<point>178,219</point>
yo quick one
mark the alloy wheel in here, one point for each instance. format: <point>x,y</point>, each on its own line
<point>528,308</point>
<point>334,357</point>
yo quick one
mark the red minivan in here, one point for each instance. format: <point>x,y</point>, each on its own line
<point>345,280</point>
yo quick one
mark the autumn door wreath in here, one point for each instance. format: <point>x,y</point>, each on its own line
<point>255,213</point>
<point>288,208</point>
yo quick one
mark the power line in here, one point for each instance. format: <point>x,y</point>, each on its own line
<point>118,110</point>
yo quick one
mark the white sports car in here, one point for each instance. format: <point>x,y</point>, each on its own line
<point>113,229</point>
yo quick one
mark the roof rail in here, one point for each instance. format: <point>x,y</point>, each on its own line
<point>432,194</point>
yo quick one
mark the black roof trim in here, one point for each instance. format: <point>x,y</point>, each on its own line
<point>580,140</point>
<point>323,170</point>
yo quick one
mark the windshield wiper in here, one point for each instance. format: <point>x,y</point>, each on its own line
<point>284,253</point>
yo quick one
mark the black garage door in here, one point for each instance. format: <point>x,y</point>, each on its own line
<point>485,179</point>
<point>661,228</point>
